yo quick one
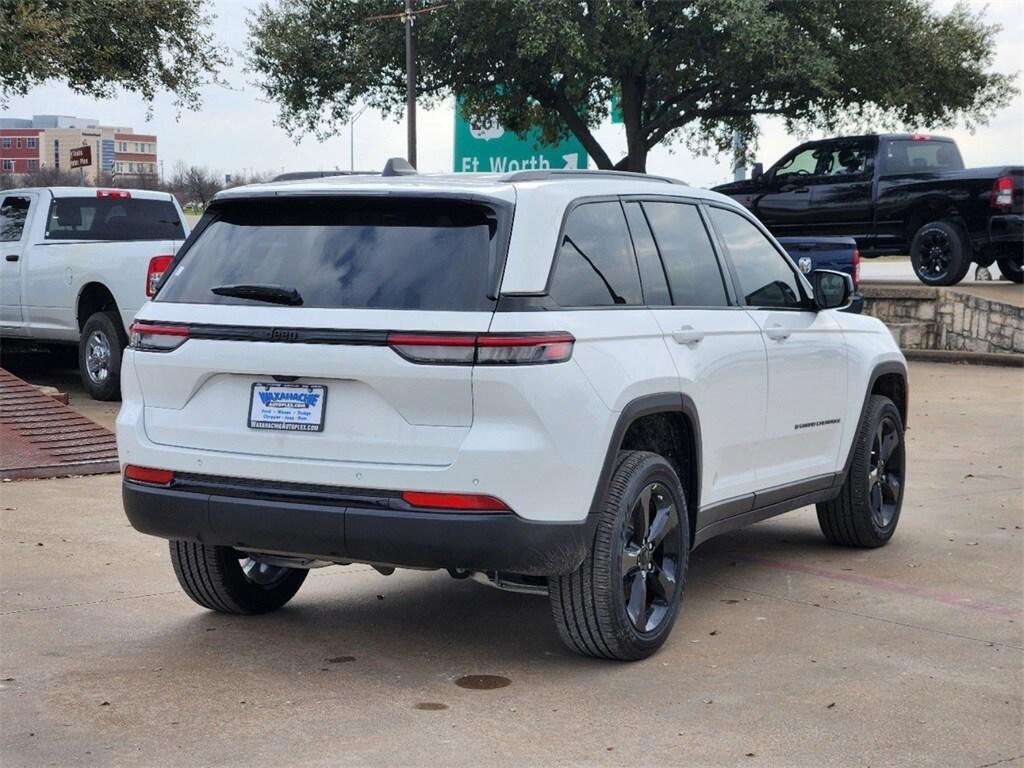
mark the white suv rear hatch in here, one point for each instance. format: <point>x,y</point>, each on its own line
<point>300,303</point>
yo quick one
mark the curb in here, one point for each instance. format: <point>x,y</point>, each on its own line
<point>1005,359</point>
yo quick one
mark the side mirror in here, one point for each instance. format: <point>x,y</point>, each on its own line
<point>832,290</point>
<point>757,172</point>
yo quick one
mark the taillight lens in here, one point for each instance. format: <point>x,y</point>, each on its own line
<point>856,267</point>
<point>153,337</point>
<point>1002,192</point>
<point>157,266</point>
<point>116,194</point>
<point>483,349</point>
<point>472,502</point>
<point>148,475</point>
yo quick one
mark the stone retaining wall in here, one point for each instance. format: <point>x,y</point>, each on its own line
<point>923,317</point>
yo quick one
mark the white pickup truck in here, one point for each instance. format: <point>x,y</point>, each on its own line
<point>77,263</point>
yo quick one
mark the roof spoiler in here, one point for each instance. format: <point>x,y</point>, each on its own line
<point>398,166</point>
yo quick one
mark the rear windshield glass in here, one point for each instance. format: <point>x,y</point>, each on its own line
<point>346,253</point>
<point>921,156</point>
<point>113,218</point>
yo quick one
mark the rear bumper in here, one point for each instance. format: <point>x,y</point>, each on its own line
<point>351,527</point>
<point>1007,228</point>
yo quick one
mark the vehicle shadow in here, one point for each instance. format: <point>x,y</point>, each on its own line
<point>453,626</point>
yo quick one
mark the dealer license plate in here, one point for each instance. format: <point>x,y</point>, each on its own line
<point>288,407</point>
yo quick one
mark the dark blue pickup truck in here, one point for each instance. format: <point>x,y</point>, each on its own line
<point>837,253</point>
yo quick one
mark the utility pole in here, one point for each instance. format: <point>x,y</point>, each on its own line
<point>352,137</point>
<point>410,82</point>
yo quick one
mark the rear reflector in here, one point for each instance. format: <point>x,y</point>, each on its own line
<point>467,501</point>
<point>152,337</point>
<point>1002,192</point>
<point>157,266</point>
<point>483,349</point>
<point>114,193</point>
<point>148,475</point>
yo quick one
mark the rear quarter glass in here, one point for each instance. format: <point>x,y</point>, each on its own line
<point>350,253</point>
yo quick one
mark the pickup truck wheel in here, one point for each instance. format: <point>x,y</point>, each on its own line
<point>940,253</point>
<point>1011,267</point>
<point>867,509</point>
<point>225,580</point>
<point>99,355</point>
<point>622,601</point>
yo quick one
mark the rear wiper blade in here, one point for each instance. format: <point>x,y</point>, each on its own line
<point>272,294</point>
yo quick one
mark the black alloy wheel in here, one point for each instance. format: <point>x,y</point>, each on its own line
<point>650,558</point>
<point>885,475</point>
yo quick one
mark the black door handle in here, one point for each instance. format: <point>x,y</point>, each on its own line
<point>11,257</point>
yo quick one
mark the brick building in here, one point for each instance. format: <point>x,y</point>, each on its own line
<point>46,141</point>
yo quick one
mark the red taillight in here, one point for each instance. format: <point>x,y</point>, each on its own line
<point>148,475</point>
<point>157,266</point>
<point>483,349</point>
<point>467,501</point>
<point>114,193</point>
<point>153,337</point>
<point>856,267</point>
<point>920,137</point>
<point>1002,192</point>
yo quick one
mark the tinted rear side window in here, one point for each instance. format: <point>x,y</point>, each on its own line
<point>347,253</point>
<point>595,265</point>
<point>109,218</point>
<point>693,273</point>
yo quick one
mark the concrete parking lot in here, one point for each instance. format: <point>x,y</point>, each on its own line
<point>788,652</point>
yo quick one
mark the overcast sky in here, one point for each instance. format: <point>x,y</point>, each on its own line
<point>235,130</point>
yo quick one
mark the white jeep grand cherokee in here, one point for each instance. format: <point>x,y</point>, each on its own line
<point>558,382</point>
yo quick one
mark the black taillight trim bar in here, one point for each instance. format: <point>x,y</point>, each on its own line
<point>472,343</point>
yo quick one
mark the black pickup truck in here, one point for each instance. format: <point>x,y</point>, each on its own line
<point>895,193</point>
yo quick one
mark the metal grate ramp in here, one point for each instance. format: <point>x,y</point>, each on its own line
<point>42,437</point>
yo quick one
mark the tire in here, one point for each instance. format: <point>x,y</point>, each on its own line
<point>600,611</point>
<point>227,581</point>
<point>1011,267</point>
<point>867,509</point>
<point>99,355</point>
<point>940,253</point>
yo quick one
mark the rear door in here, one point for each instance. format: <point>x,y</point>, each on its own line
<point>841,192</point>
<point>362,270</point>
<point>806,358</point>
<point>16,211</point>
<point>716,347</point>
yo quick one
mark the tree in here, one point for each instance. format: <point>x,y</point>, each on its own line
<point>98,46</point>
<point>685,70</point>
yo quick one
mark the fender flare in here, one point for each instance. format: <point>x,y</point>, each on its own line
<point>665,402</point>
<point>897,367</point>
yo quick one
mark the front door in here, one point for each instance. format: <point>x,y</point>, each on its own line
<point>806,354</point>
<point>14,211</point>
<point>716,347</point>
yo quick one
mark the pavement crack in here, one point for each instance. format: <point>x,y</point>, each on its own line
<point>1002,762</point>
<point>87,603</point>
<point>908,625</point>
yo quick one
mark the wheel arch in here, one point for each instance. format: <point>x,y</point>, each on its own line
<point>888,378</point>
<point>94,297</point>
<point>667,424</point>
<point>929,210</point>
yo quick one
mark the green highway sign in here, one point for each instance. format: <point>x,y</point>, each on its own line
<point>494,150</point>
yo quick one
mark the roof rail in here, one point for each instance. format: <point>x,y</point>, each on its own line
<point>398,166</point>
<point>555,173</point>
